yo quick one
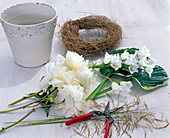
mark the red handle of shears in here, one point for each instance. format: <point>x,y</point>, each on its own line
<point>107,128</point>
<point>79,119</point>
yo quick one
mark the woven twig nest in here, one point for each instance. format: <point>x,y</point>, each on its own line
<point>71,39</point>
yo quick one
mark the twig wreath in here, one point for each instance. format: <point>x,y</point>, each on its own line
<point>72,41</point>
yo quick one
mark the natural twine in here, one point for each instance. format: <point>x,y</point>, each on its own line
<point>72,41</point>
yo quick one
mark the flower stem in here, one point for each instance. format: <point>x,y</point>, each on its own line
<point>15,123</point>
<point>99,66</point>
<point>5,128</point>
<point>93,94</point>
<point>103,92</point>
<point>41,121</point>
<point>22,107</point>
<point>24,98</point>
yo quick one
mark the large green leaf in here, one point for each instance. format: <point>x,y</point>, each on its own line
<point>120,51</point>
<point>158,78</point>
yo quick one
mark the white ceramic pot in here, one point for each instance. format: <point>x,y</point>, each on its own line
<point>29,28</point>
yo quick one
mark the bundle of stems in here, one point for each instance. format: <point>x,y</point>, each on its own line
<point>44,97</point>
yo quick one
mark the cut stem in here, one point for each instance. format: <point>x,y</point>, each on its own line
<point>5,128</point>
<point>22,107</point>
<point>103,92</point>
<point>25,97</point>
<point>93,94</point>
<point>15,123</point>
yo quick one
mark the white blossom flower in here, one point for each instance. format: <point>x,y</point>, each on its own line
<point>126,86</point>
<point>98,61</point>
<point>133,68</point>
<point>143,62</point>
<point>151,62</point>
<point>125,55</point>
<point>131,59</point>
<point>116,62</point>
<point>144,52</point>
<point>107,58</point>
<point>116,88</point>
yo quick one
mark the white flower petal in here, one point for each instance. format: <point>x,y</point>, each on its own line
<point>152,62</point>
<point>50,67</point>
<point>61,95</point>
<point>144,52</point>
<point>126,86</point>
<point>125,55</point>
<point>149,70</point>
<point>68,102</point>
<point>73,60</point>
<point>98,62</point>
<point>133,68</point>
<point>107,58</point>
<point>116,62</point>
<point>45,81</point>
<point>116,88</point>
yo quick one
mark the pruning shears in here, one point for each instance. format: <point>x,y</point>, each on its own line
<point>87,116</point>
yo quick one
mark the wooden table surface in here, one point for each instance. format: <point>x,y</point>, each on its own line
<point>144,22</point>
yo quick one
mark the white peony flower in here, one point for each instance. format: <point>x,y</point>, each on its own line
<point>73,60</point>
<point>107,58</point>
<point>44,83</point>
<point>57,76</point>
<point>73,97</point>
<point>61,95</point>
<point>69,109</point>
<point>84,75</point>
<point>125,55</point>
<point>116,88</point>
<point>116,62</point>
<point>126,86</point>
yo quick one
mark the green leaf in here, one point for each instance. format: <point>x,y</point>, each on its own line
<point>42,78</point>
<point>48,88</point>
<point>46,109</point>
<point>103,71</point>
<point>120,51</point>
<point>158,78</point>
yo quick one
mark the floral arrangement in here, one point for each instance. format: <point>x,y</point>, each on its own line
<point>68,78</point>
<point>133,64</point>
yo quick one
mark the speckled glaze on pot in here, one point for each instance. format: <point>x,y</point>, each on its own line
<point>30,43</point>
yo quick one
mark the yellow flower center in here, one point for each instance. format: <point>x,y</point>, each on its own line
<point>133,69</point>
<point>59,78</point>
<point>115,64</point>
<point>75,68</point>
<point>108,58</point>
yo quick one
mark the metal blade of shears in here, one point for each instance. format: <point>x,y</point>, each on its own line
<point>107,109</point>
